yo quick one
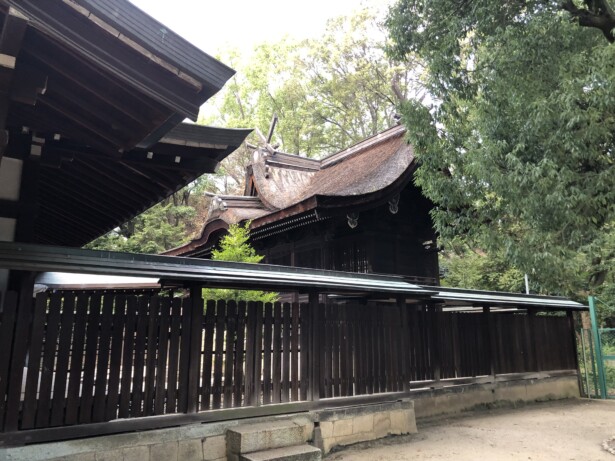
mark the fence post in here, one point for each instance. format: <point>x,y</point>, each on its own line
<point>598,346</point>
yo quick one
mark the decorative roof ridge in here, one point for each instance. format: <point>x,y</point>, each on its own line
<point>224,202</point>
<point>334,159</point>
<point>292,161</point>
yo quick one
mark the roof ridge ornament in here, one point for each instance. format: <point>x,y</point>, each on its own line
<point>394,204</point>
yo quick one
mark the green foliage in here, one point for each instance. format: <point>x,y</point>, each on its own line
<point>477,270</point>
<point>158,229</point>
<point>516,139</point>
<point>235,246</point>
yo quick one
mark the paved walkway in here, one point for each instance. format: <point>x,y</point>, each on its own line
<point>557,431</point>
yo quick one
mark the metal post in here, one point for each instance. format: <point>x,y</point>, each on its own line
<point>597,348</point>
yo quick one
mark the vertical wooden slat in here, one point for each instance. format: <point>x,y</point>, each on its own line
<point>174,351</point>
<point>163,360</point>
<point>258,350</point>
<point>76,361</point>
<point>51,338</point>
<point>436,329</point>
<point>267,350</point>
<point>335,359</point>
<point>359,346</point>
<point>228,356</point>
<point>19,352</point>
<point>89,366</point>
<point>314,347</point>
<point>343,332</point>
<point>349,344</point>
<point>378,355</point>
<point>416,344</point>
<point>34,363</point>
<point>210,321</point>
<point>184,358</point>
<point>322,361</point>
<point>276,371</point>
<point>405,344</point>
<point>250,346</point>
<point>136,402</point>
<point>304,335</point>
<point>7,330</point>
<point>219,355</point>
<point>117,338</point>
<point>195,306</point>
<point>61,369</point>
<point>286,352</point>
<point>100,386</point>
<point>239,354</point>
<point>150,358</point>
<point>295,353</point>
<point>127,356</point>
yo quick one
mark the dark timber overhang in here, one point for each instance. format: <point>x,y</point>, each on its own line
<point>92,98</point>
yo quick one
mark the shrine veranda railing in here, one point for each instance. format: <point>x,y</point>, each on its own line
<point>79,359</point>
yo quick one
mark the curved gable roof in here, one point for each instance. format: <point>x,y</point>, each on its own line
<point>288,185</point>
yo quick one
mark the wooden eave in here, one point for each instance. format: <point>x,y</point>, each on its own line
<point>89,50</point>
<point>84,193</point>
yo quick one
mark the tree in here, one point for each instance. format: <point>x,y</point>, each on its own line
<point>159,228</point>
<point>516,139</point>
<point>328,93</point>
<point>235,246</point>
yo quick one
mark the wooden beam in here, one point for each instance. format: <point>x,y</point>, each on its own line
<point>118,180</point>
<point>104,91</point>
<point>87,122</point>
<point>11,37</point>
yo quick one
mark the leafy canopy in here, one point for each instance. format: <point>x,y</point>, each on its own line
<point>516,139</point>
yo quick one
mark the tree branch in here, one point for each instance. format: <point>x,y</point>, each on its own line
<point>598,15</point>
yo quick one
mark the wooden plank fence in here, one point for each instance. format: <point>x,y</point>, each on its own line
<point>73,358</point>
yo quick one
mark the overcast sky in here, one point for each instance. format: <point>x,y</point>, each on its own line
<point>213,25</point>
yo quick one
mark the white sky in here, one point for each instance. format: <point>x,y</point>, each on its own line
<point>214,25</point>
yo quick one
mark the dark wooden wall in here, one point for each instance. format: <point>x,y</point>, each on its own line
<point>382,242</point>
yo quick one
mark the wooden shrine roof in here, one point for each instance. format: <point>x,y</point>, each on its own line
<point>98,91</point>
<point>283,190</point>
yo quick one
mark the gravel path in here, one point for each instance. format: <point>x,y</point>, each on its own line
<point>557,431</point>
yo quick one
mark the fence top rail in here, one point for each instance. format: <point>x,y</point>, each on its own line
<point>457,295</point>
<point>192,271</point>
<point>40,258</point>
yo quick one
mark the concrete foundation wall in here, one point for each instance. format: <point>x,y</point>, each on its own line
<point>346,426</point>
<point>453,400</point>
<point>325,428</point>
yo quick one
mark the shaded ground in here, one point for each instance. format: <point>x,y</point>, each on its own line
<point>558,431</point>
